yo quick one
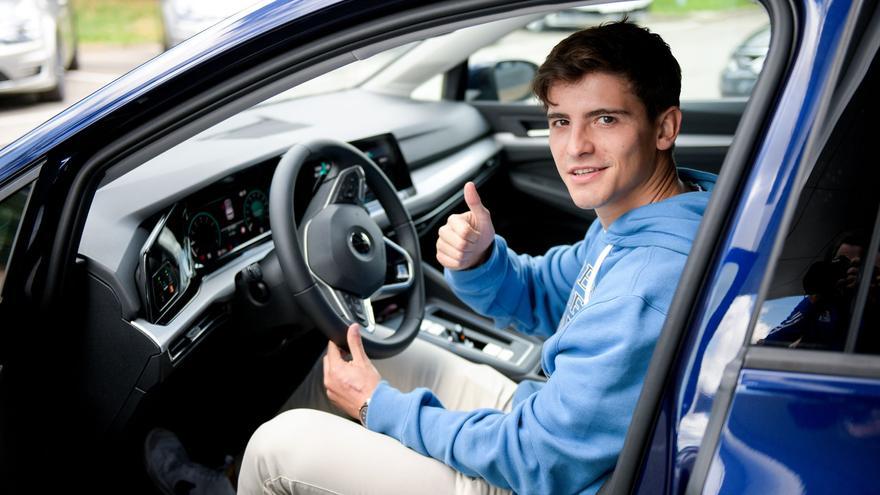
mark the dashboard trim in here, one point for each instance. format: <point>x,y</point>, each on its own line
<point>215,287</point>
<point>186,272</point>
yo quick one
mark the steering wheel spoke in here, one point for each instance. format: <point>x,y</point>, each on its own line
<point>351,308</point>
<point>399,274</point>
<point>348,187</point>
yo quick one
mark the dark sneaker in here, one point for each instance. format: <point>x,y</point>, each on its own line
<point>171,469</point>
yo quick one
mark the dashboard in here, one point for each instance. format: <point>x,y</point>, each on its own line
<point>203,230</point>
<point>141,215</point>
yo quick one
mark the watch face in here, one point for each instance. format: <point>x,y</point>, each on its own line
<point>363,414</point>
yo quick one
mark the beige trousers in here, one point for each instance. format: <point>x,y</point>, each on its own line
<point>305,450</point>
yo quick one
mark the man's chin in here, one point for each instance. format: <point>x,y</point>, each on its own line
<point>582,202</point>
<point>586,205</point>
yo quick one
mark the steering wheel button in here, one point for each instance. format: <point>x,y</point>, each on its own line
<point>505,354</point>
<point>402,271</point>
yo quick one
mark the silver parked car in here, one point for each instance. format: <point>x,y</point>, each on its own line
<point>184,18</point>
<point>37,44</point>
<point>741,73</point>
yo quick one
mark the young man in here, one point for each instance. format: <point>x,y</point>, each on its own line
<point>612,100</point>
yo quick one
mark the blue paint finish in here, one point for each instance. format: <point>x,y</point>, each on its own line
<point>797,433</point>
<point>724,309</point>
<point>189,55</point>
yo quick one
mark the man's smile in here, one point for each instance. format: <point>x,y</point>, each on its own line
<point>581,175</point>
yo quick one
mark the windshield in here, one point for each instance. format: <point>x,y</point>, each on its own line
<point>345,77</point>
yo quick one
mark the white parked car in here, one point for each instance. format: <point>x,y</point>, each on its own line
<point>583,16</point>
<point>37,44</point>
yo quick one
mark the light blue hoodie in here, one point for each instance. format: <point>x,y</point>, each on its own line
<point>562,436</point>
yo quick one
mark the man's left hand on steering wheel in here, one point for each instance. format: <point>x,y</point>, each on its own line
<point>349,382</point>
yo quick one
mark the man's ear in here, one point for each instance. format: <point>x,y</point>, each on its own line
<point>669,123</point>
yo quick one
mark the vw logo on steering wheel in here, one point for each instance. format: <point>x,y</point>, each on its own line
<point>360,242</point>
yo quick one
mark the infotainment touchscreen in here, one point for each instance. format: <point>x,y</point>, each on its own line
<point>383,150</point>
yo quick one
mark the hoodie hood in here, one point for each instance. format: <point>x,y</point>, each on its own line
<point>670,224</point>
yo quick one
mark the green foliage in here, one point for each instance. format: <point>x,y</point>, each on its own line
<point>675,6</point>
<point>118,21</point>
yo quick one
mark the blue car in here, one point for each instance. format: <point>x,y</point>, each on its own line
<point>169,255</point>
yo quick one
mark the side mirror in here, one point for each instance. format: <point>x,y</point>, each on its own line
<point>504,81</point>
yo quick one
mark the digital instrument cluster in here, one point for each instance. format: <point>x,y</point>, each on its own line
<point>200,232</point>
<point>223,223</point>
<point>203,230</point>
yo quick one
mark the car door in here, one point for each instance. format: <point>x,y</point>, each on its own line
<point>797,409</point>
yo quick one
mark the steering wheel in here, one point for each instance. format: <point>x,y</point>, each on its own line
<point>337,260</point>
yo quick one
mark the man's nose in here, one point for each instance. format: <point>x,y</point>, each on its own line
<point>580,141</point>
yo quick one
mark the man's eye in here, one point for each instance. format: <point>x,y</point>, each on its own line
<point>558,123</point>
<point>607,120</point>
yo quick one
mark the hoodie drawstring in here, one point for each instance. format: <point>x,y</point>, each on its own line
<point>588,291</point>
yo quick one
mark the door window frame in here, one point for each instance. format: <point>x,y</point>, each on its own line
<point>26,180</point>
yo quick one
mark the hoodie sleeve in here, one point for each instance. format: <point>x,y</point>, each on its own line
<point>563,438</point>
<point>527,292</point>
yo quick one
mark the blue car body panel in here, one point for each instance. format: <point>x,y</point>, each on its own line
<point>797,433</point>
<point>721,318</point>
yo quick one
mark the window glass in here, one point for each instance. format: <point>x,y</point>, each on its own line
<point>345,77</point>
<point>720,45</point>
<point>11,210</point>
<point>825,278</point>
<point>867,339</point>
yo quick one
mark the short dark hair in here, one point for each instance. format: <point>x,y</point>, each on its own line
<point>619,48</point>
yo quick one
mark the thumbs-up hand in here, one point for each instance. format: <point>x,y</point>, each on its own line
<point>466,239</point>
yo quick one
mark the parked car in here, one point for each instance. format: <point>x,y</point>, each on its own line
<point>746,62</point>
<point>585,15</point>
<point>37,44</point>
<point>143,285</point>
<point>181,19</point>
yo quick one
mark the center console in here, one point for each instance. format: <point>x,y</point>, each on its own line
<point>475,338</point>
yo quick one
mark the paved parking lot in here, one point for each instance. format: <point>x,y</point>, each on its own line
<point>721,33</point>
<point>98,66</point>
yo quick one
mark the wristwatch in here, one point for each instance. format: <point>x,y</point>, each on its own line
<point>362,412</point>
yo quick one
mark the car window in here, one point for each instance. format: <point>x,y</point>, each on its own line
<point>823,294</point>
<point>720,45</point>
<point>11,210</point>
